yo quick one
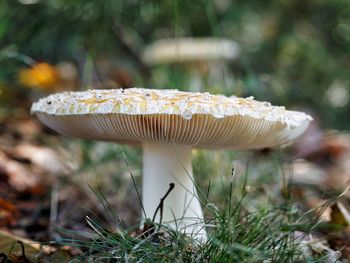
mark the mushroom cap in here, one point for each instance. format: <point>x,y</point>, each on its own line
<point>170,116</point>
<point>187,50</point>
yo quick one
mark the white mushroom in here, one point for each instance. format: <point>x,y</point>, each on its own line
<point>187,50</point>
<point>203,57</point>
<point>168,123</point>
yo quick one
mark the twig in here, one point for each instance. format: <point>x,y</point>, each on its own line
<point>161,204</point>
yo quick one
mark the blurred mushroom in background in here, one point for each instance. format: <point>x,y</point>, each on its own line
<point>205,58</point>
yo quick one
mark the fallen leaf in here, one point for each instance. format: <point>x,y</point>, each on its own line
<point>311,142</point>
<point>306,172</point>
<point>40,76</point>
<point>338,174</point>
<point>21,250</point>
<point>26,127</point>
<point>319,206</point>
<point>340,241</point>
<point>313,244</point>
<point>15,258</point>
<point>9,214</point>
<point>340,215</point>
<point>8,240</point>
<point>20,177</point>
<point>61,255</point>
<point>44,157</point>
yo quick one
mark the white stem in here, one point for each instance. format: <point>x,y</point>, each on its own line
<point>164,164</point>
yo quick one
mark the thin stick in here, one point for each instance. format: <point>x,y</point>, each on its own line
<point>161,203</point>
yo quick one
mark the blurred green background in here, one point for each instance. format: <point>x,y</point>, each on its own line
<point>293,52</point>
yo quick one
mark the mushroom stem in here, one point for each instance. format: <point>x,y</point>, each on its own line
<point>164,164</point>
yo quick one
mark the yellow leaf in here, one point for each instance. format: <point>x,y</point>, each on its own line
<point>40,75</point>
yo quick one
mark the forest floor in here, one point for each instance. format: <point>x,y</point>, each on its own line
<point>54,207</point>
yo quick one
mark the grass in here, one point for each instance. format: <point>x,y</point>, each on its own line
<point>267,234</point>
<point>271,231</point>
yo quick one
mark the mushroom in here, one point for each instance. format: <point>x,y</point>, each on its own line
<point>203,57</point>
<point>187,50</point>
<point>168,124</point>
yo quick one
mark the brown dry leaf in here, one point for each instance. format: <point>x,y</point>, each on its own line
<point>8,240</point>
<point>338,174</point>
<point>9,214</point>
<point>333,156</point>
<point>15,258</point>
<point>62,255</point>
<point>315,244</point>
<point>340,215</point>
<point>21,250</point>
<point>26,127</point>
<point>74,251</point>
<point>43,157</point>
<point>3,160</point>
<point>305,172</point>
<point>311,142</point>
<point>20,177</point>
<point>338,148</point>
<point>319,206</point>
<point>340,241</point>
<point>337,143</point>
